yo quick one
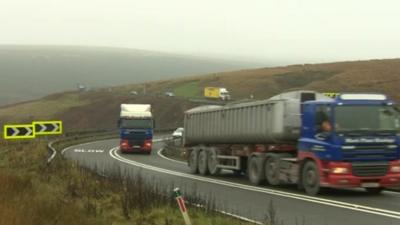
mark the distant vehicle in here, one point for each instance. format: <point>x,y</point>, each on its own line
<point>82,87</point>
<point>300,137</point>
<point>133,93</point>
<point>217,93</point>
<point>136,126</point>
<point>178,133</point>
<point>169,94</point>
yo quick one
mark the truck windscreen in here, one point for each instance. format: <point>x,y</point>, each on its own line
<point>367,118</point>
<point>136,123</point>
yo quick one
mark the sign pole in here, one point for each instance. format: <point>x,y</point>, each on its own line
<point>182,207</point>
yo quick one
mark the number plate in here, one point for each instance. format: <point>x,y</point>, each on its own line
<point>136,146</point>
<point>370,185</point>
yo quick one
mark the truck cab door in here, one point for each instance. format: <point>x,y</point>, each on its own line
<point>316,129</point>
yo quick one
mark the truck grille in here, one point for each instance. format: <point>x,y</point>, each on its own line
<point>381,152</point>
<point>136,143</point>
<point>368,169</point>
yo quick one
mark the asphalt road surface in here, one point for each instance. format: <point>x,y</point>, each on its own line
<point>234,194</point>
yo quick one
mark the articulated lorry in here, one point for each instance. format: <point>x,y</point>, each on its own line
<point>136,128</point>
<point>302,138</point>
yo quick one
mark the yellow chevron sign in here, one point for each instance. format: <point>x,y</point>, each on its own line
<point>331,94</point>
<point>19,131</point>
<point>47,127</point>
<point>27,131</point>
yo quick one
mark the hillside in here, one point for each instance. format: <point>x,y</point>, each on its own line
<point>99,109</point>
<point>29,72</point>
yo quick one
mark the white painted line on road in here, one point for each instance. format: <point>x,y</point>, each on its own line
<point>81,150</point>
<point>87,143</point>
<point>240,217</point>
<point>393,192</point>
<point>159,153</point>
<point>227,213</point>
<point>92,142</point>
<point>366,209</point>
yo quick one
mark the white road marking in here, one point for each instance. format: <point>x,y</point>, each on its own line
<point>88,150</point>
<point>92,142</point>
<point>74,146</point>
<point>366,209</point>
<point>393,192</point>
<point>159,153</point>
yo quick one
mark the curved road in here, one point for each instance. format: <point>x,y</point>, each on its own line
<point>236,195</point>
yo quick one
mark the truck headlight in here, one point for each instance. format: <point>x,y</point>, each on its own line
<point>395,169</point>
<point>339,170</point>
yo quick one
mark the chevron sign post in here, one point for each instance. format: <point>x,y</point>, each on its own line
<point>47,127</point>
<point>20,131</point>
<point>182,207</point>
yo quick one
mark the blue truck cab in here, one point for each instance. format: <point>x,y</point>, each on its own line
<point>350,141</point>
<point>136,126</point>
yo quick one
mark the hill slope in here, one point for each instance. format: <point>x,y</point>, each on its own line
<point>99,109</point>
<point>28,72</point>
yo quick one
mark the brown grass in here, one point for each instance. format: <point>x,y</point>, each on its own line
<point>33,193</point>
<point>99,109</point>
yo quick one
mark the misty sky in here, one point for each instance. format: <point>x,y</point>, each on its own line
<point>277,31</point>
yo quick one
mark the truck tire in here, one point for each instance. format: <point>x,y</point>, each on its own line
<point>310,178</point>
<point>193,162</point>
<point>374,191</point>
<point>272,170</point>
<point>202,161</point>
<point>255,170</point>
<point>212,162</point>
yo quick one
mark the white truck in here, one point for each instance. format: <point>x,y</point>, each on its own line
<point>136,128</point>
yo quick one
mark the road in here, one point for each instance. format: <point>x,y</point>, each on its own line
<point>236,195</point>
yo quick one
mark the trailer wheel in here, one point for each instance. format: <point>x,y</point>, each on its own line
<point>310,178</point>
<point>193,162</point>
<point>256,170</point>
<point>202,160</point>
<point>272,170</point>
<point>213,162</point>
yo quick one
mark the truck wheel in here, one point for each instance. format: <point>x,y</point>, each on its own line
<point>213,162</point>
<point>203,167</point>
<point>193,162</point>
<point>256,170</point>
<point>272,170</point>
<point>310,178</point>
<point>374,191</point>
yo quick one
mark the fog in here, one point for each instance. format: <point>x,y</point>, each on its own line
<point>274,31</point>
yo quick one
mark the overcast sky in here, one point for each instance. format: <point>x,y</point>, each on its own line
<point>277,31</point>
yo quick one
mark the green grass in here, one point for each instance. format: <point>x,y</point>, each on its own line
<point>189,89</point>
<point>42,109</point>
